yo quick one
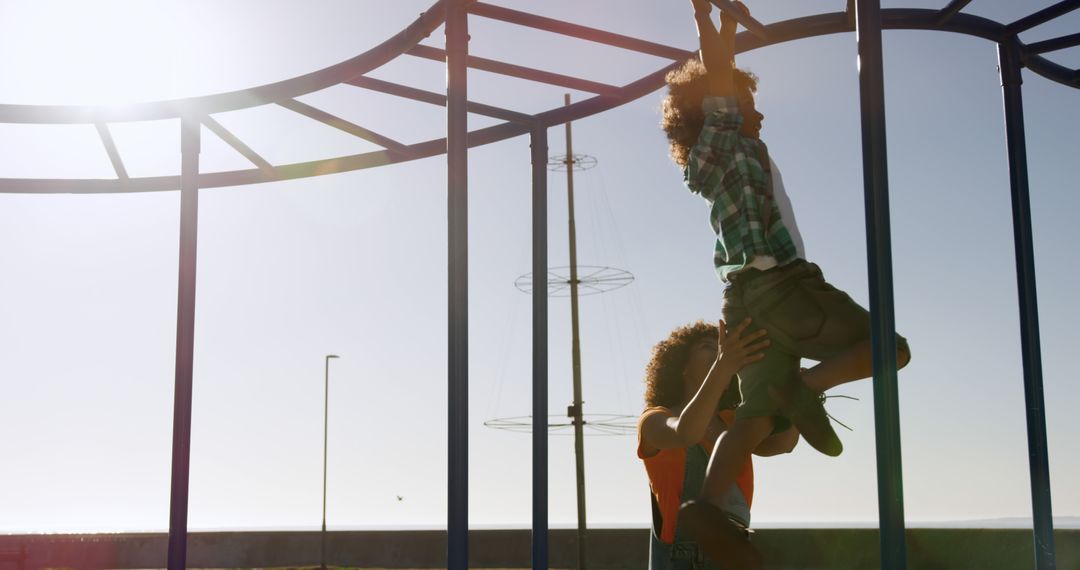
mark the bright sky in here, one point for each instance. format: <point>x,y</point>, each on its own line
<point>355,264</point>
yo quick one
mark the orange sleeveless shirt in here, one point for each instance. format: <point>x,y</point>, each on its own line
<point>667,470</point>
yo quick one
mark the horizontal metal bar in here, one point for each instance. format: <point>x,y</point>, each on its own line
<point>522,72</point>
<point>779,32</point>
<point>577,31</point>
<point>1071,40</point>
<point>110,148</point>
<point>950,10</point>
<point>435,147</point>
<point>753,26</point>
<point>1052,71</point>
<point>234,141</point>
<point>378,56</point>
<point>1041,17</point>
<point>343,125</point>
<point>434,98</point>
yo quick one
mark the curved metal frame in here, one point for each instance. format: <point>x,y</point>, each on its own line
<point>862,16</point>
<point>353,72</point>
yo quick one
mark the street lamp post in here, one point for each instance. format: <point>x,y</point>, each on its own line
<point>326,431</point>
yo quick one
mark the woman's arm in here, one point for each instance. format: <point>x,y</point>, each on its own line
<point>660,431</point>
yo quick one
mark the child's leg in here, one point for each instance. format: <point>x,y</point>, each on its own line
<point>730,454</point>
<point>773,387</point>
<point>704,520</point>
<point>855,363</point>
<point>819,321</point>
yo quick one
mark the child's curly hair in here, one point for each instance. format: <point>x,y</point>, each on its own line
<point>663,374</point>
<point>682,115</point>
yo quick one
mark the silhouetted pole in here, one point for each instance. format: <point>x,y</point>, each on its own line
<point>457,154</point>
<point>879,265</point>
<point>539,350</point>
<point>185,342</point>
<point>325,448</point>
<point>1038,460</point>
<point>575,341</point>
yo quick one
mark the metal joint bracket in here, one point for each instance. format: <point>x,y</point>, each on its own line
<point>190,144</point>
<point>1010,62</point>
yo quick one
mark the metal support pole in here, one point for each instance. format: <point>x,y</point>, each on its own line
<point>1038,458</point>
<point>457,154</point>
<point>185,342</point>
<point>326,448</point>
<point>539,350</point>
<point>575,345</point>
<point>879,262</point>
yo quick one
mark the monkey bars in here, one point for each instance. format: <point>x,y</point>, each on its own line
<point>865,17</point>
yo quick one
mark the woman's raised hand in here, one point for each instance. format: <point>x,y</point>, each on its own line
<point>737,349</point>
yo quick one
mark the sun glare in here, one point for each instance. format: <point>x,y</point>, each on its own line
<point>71,52</point>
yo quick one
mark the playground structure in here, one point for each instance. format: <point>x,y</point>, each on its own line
<point>865,17</point>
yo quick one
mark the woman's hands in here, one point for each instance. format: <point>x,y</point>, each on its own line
<point>737,349</point>
<point>708,373</point>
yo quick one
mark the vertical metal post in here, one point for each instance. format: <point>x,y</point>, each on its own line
<point>575,345</point>
<point>457,151</point>
<point>539,350</point>
<point>879,262</point>
<point>1038,457</point>
<point>325,454</point>
<point>185,342</point>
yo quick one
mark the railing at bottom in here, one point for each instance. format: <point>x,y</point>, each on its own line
<point>609,549</point>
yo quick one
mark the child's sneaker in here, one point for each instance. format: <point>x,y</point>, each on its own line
<point>804,409</point>
<point>727,545</point>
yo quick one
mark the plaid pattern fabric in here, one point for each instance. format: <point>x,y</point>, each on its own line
<point>732,173</point>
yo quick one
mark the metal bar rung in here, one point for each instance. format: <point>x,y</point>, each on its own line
<point>521,72</point>
<point>577,31</point>
<point>233,141</point>
<point>1041,17</point>
<point>343,125</point>
<point>1071,40</point>
<point>951,9</point>
<point>415,94</point>
<point>110,148</point>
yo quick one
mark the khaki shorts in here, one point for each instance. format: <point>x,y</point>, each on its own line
<point>806,318</point>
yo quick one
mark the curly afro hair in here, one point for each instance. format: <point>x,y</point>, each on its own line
<point>682,115</point>
<point>663,374</point>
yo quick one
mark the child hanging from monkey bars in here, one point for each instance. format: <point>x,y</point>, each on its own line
<point>714,128</point>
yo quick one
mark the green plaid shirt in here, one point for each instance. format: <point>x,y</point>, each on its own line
<point>732,173</point>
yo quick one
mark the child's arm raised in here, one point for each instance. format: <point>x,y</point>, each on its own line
<point>717,47</point>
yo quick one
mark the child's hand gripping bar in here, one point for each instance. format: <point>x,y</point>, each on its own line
<point>755,27</point>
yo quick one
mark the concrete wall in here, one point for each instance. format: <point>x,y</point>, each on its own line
<point>608,549</point>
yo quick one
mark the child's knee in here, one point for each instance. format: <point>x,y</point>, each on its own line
<point>754,427</point>
<point>903,353</point>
